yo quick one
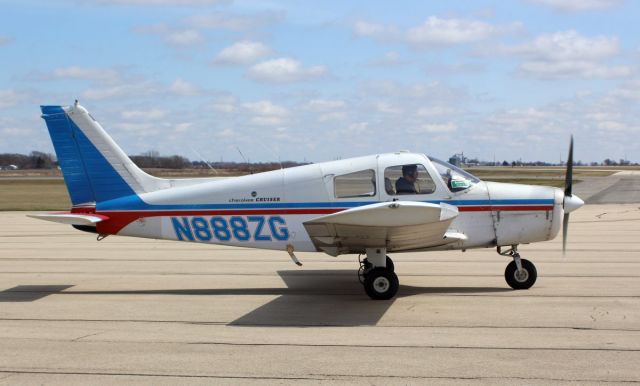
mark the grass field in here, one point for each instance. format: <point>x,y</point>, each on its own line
<point>34,195</point>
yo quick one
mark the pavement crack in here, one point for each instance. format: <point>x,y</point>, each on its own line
<point>86,336</point>
<point>141,374</point>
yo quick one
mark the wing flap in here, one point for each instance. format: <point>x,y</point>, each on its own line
<point>397,226</point>
<point>71,218</point>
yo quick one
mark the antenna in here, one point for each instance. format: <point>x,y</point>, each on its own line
<point>245,160</point>
<point>204,160</point>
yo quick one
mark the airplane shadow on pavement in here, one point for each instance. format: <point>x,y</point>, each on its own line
<point>333,298</point>
<point>310,298</point>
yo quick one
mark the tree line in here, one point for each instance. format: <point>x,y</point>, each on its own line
<point>148,160</point>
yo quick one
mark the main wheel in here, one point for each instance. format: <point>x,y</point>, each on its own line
<point>521,280</point>
<point>381,284</point>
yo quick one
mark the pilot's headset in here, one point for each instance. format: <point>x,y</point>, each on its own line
<point>410,170</point>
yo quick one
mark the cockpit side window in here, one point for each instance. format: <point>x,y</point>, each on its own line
<point>357,184</point>
<point>455,178</point>
<point>408,179</point>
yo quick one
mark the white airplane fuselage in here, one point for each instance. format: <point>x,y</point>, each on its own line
<point>267,210</point>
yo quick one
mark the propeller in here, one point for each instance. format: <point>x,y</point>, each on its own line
<point>570,202</point>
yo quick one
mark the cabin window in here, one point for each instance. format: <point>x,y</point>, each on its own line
<point>356,184</point>
<point>408,179</point>
<point>455,178</point>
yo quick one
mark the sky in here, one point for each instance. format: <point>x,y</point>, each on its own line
<point>322,80</point>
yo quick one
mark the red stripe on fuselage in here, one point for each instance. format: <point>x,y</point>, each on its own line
<point>120,219</point>
<point>507,208</point>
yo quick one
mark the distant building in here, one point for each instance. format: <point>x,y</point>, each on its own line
<point>457,159</point>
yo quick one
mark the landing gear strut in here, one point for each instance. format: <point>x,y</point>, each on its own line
<point>520,273</point>
<point>377,275</point>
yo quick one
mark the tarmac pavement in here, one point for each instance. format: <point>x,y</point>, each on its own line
<point>134,311</point>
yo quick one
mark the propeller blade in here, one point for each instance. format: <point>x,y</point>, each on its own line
<point>565,229</point>
<point>568,177</point>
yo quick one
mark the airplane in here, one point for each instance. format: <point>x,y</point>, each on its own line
<point>371,205</point>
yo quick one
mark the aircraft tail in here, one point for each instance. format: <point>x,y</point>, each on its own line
<point>94,167</point>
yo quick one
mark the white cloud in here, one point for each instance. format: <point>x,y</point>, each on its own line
<point>266,113</point>
<point>390,58</point>
<point>183,88</point>
<point>185,37</point>
<point>375,30</point>
<point>434,111</point>
<point>268,121</point>
<point>227,133</point>
<point>629,91</point>
<point>243,52</point>
<point>120,91</point>
<point>567,54</point>
<point>9,98</point>
<point>176,37</point>
<point>387,108</point>
<point>332,116</point>
<point>358,128</point>
<point>225,104</point>
<point>143,115</point>
<point>266,108</point>
<point>578,5</point>
<point>285,70</point>
<point>447,127</point>
<point>572,69</point>
<point>447,69</point>
<point>103,75</point>
<point>568,45</point>
<point>325,104</point>
<point>236,22</point>
<point>5,40</point>
<point>438,31</point>
<point>434,31</point>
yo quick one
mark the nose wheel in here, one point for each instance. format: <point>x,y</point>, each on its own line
<point>520,273</point>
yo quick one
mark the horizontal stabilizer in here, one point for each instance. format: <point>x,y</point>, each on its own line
<point>71,218</point>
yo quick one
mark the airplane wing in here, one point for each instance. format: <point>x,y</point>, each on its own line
<point>396,226</point>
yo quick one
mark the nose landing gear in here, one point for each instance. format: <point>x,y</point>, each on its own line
<point>520,273</point>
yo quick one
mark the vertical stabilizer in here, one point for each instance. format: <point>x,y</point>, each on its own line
<point>94,167</point>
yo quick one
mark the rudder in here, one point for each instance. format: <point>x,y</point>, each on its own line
<point>95,169</point>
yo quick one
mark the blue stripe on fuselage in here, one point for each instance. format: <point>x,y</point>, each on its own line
<point>134,202</point>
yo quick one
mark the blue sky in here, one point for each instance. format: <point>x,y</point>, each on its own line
<point>295,80</point>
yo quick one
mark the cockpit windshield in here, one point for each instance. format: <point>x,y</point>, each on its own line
<point>456,179</point>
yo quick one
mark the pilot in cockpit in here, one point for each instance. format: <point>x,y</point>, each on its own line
<point>407,183</point>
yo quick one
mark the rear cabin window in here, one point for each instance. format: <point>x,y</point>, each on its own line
<point>356,184</point>
<point>408,179</point>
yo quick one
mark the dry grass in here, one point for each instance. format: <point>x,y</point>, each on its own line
<point>26,194</point>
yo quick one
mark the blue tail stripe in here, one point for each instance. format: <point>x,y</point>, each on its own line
<point>68,153</point>
<point>87,173</point>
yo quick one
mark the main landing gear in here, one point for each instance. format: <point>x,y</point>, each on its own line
<point>377,275</point>
<point>520,273</point>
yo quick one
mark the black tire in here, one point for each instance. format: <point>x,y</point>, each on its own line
<point>390,266</point>
<point>381,284</point>
<point>518,282</point>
